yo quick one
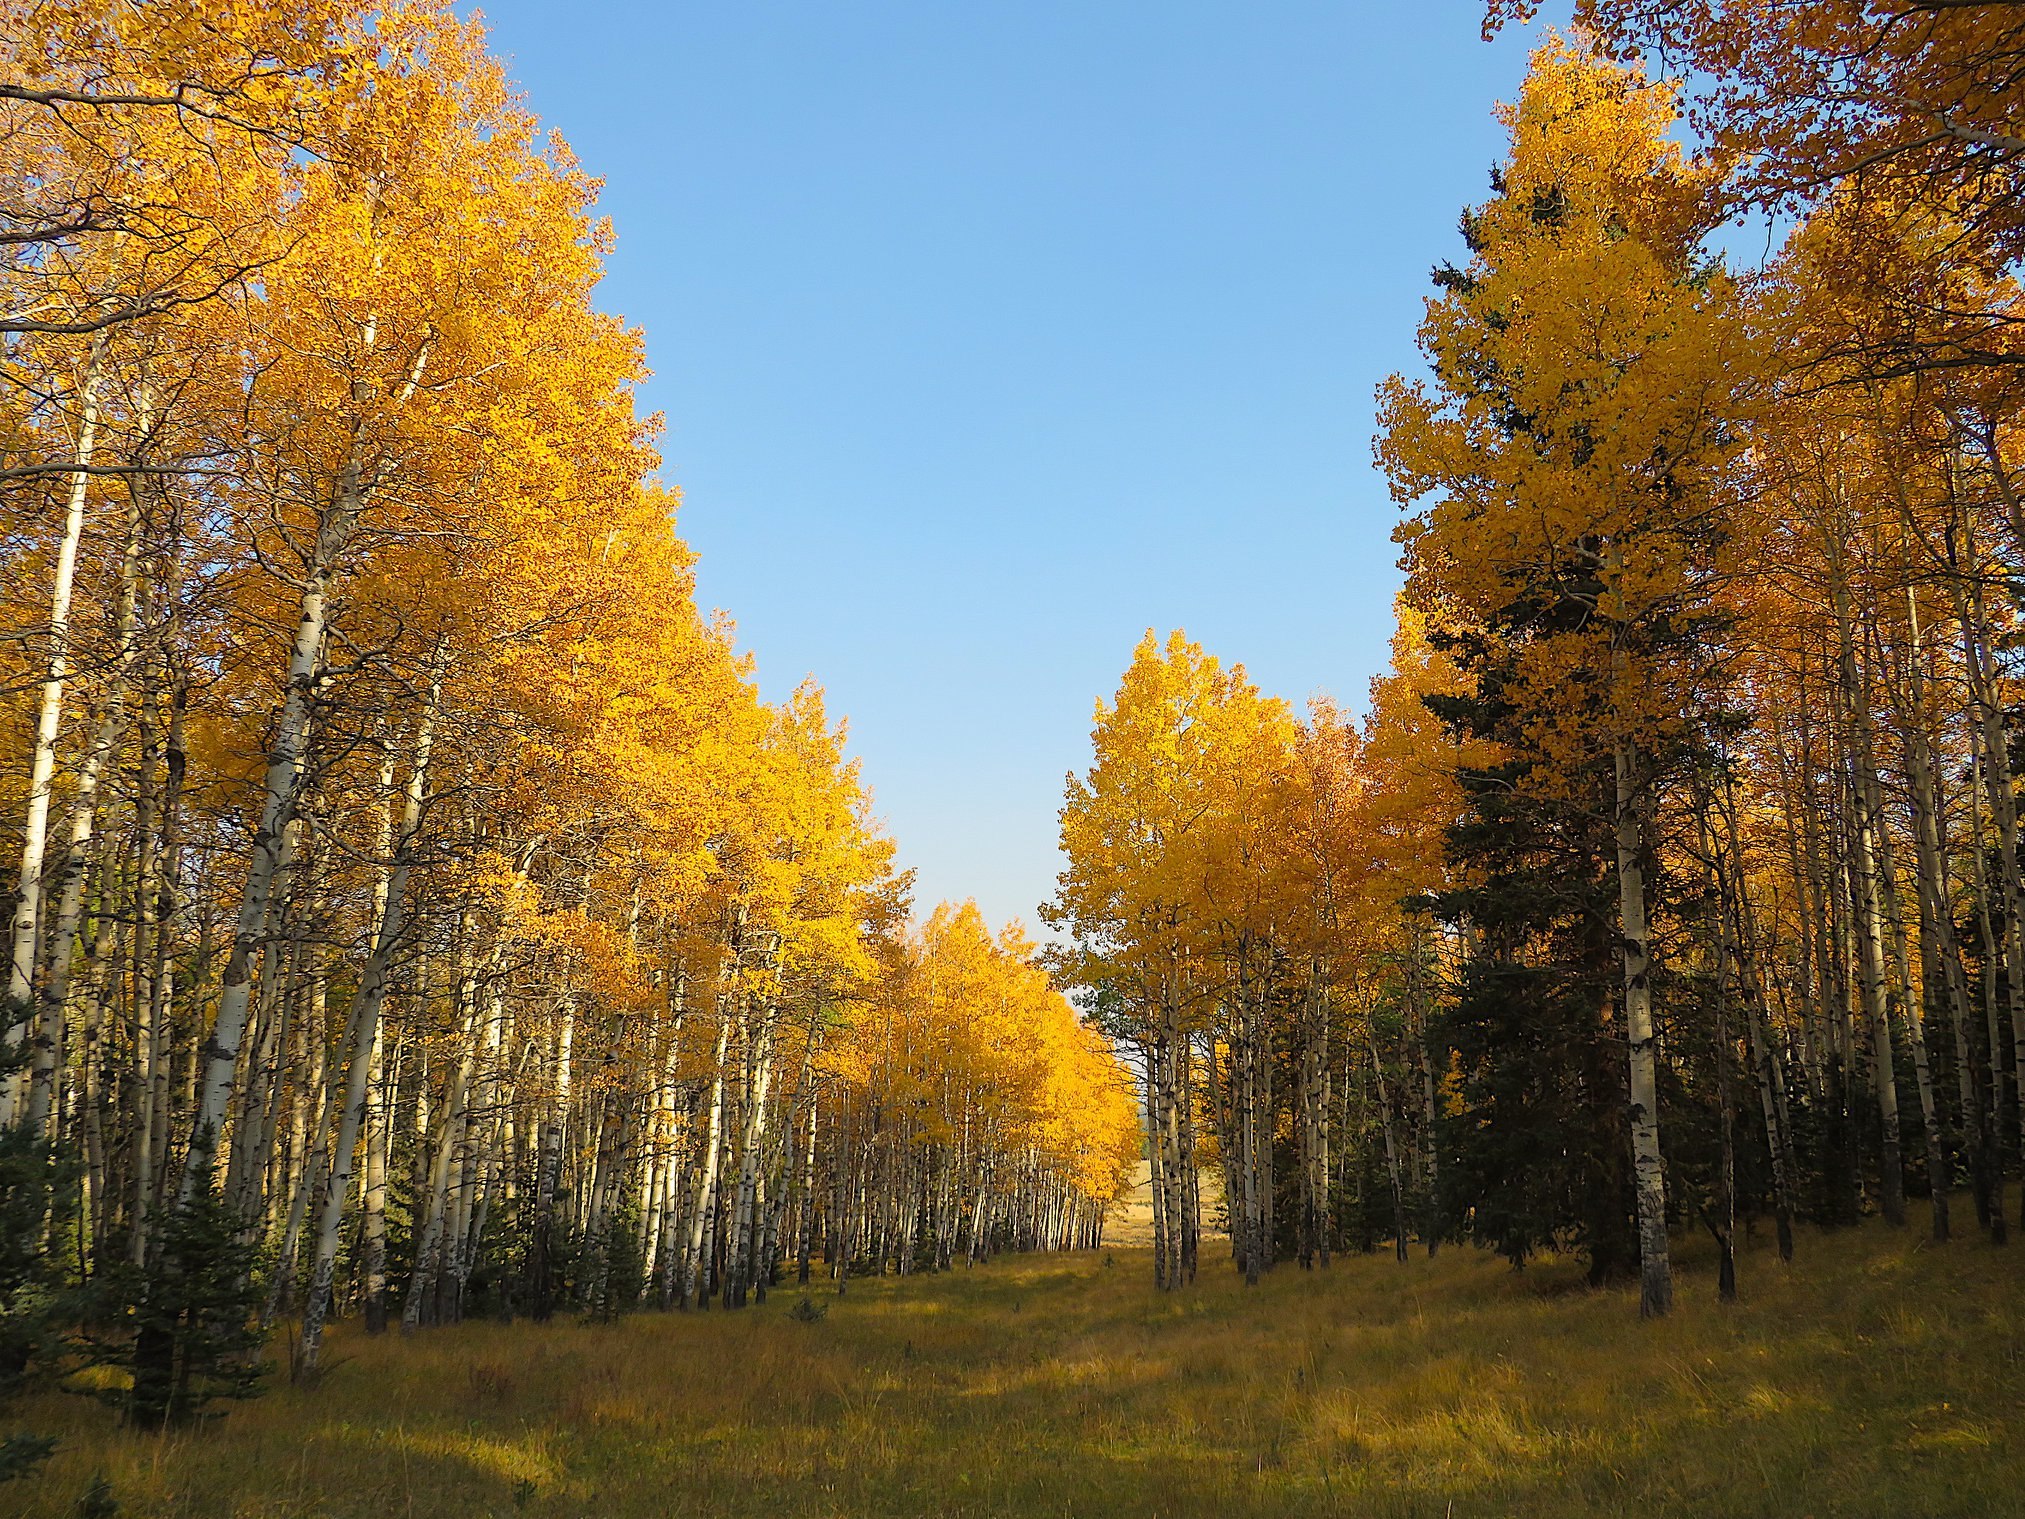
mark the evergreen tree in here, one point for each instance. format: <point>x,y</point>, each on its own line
<point>1536,1151</point>
<point>37,1220</point>
<point>194,1316</point>
<point>38,1211</point>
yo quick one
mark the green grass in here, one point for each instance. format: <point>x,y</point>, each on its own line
<point>1879,1375</point>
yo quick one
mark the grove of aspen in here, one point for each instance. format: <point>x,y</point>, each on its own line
<point>450,1011</point>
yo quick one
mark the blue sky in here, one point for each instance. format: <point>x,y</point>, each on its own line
<point>990,335</point>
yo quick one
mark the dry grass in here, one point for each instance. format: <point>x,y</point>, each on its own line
<point>1877,1376</point>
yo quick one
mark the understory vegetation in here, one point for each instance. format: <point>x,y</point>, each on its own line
<point>1878,1374</point>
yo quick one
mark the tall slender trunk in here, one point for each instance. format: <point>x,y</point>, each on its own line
<point>1993,1110</point>
<point>378,1133</point>
<point>48,722</point>
<point>311,1155</point>
<point>1430,1155</point>
<point>1315,1211</point>
<point>70,881</point>
<point>1940,946</point>
<point>363,1031</point>
<point>429,1244</point>
<point>1655,1270</point>
<point>706,1173</point>
<point>1868,893</point>
<point>1392,1166</point>
<point>1757,1019</point>
<point>1165,1259</point>
<point>1181,1256</point>
<point>548,1166</point>
<point>752,1144</point>
<point>804,1248</point>
<point>1997,780</point>
<point>281,786</point>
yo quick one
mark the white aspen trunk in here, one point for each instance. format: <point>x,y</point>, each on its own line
<point>419,1149</point>
<point>279,796</point>
<point>48,722</point>
<point>774,1192</point>
<point>1184,1149</point>
<point>660,1159</point>
<point>548,1164</point>
<point>1909,1000</point>
<point>1165,1260</point>
<point>1992,1109</point>
<point>2003,804</point>
<point>1430,1154</point>
<point>982,1200</point>
<point>363,1031</point>
<point>1871,965</point>
<point>805,1240</point>
<point>313,1154</point>
<point>1392,1161</point>
<point>1655,1270</point>
<point>159,902</point>
<point>429,1247</point>
<point>477,1153</point>
<point>1262,1074</point>
<point>98,1209</point>
<point>1868,903</point>
<point>1314,1123</point>
<point>304,1085</point>
<point>83,822</point>
<point>752,1141</point>
<point>706,1176</point>
<point>668,1262</point>
<point>375,1199</point>
<point>489,1162</point>
<point>1170,1129</point>
<point>1251,1163</point>
<point>1758,1031</point>
<point>1988,743</point>
<point>246,1172</point>
<point>282,784</point>
<point>1938,938</point>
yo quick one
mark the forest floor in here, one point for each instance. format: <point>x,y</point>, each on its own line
<point>1877,1375</point>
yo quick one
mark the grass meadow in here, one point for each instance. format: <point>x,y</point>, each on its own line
<point>1877,1375</point>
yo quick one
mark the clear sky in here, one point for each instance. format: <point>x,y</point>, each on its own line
<point>991,334</point>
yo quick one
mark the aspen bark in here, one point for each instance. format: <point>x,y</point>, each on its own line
<point>83,823</point>
<point>549,1164</point>
<point>312,1153</point>
<point>1868,894</point>
<point>1655,1271</point>
<point>374,1201</point>
<point>362,1034</point>
<point>1997,780</point>
<point>706,1175</point>
<point>1430,1155</point>
<point>430,1239</point>
<point>752,1141</point>
<point>1993,1142</point>
<point>48,722</point>
<point>281,785</point>
<point>1392,1167</point>
<point>1940,946</point>
<point>1757,1022</point>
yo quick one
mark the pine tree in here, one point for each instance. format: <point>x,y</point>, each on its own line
<point>38,1301</point>
<point>1536,1151</point>
<point>193,1330</point>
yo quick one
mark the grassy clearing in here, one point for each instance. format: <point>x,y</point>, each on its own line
<point>1880,1375</point>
